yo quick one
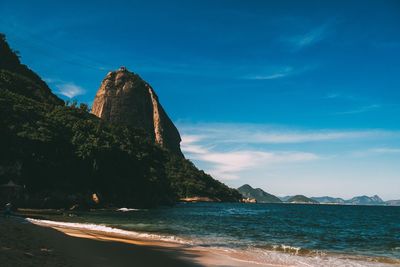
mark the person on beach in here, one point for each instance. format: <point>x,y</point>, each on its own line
<point>7,210</point>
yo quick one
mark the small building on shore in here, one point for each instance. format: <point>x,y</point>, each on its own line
<point>248,200</point>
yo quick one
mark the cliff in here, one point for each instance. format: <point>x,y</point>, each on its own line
<point>125,98</point>
<point>62,156</point>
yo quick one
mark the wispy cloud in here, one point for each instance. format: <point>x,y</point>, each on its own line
<point>359,110</point>
<point>332,96</point>
<point>376,151</point>
<point>232,151</point>
<point>227,165</point>
<point>272,75</point>
<point>386,150</point>
<point>309,37</point>
<point>269,134</point>
<point>70,90</point>
<point>228,151</point>
<point>342,96</point>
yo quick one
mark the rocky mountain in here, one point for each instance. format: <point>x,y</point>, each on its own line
<point>258,194</point>
<point>285,198</point>
<point>125,98</point>
<point>365,200</point>
<point>329,200</point>
<point>61,156</point>
<point>300,199</point>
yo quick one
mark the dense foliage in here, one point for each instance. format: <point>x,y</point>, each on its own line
<point>62,154</point>
<point>258,194</point>
<point>23,78</point>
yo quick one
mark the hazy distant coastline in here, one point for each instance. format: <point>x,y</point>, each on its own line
<point>258,195</point>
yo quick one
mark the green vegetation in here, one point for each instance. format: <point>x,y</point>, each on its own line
<point>258,194</point>
<point>301,199</point>
<point>62,154</point>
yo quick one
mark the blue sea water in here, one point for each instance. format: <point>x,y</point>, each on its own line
<point>365,232</point>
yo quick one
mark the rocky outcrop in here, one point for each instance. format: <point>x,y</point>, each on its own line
<point>248,200</point>
<point>124,97</point>
<point>199,199</point>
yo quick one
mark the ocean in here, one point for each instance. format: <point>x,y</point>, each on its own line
<point>281,234</point>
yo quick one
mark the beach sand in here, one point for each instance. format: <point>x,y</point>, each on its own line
<point>25,244</point>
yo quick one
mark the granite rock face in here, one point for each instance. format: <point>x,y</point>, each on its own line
<point>125,98</point>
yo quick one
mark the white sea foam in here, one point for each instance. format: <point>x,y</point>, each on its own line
<point>127,209</point>
<point>108,229</point>
<point>276,258</point>
<point>278,255</point>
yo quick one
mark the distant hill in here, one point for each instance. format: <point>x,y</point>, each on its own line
<point>301,199</point>
<point>359,200</point>
<point>258,194</point>
<point>365,200</point>
<point>285,198</point>
<point>329,200</point>
<point>393,202</point>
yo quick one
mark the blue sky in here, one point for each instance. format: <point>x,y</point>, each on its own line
<point>296,97</point>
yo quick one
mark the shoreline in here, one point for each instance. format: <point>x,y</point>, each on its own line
<point>63,241</point>
<point>32,242</point>
<point>192,255</point>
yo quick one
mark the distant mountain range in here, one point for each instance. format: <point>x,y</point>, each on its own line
<point>359,200</point>
<point>365,200</point>
<point>258,194</point>
<point>300,199</point>
<point>263,197</point>
<point>326,200</point>
<point>393,202</point>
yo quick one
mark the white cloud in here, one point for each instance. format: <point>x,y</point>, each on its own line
<point>306,137</point>
<point>331,96</point>
<point>386,150</point>
<point>280,73</point>
<point>376,152</point>
<point>269,77</point>
<point>70,90</point>
<point>189,145</point>
<point>267,134</point>
<point>308,38</point>
<point>227,165</point>
<point>273,73</point>
<point>228,151</point>
<point>360,110</point>
<point>268,156</point>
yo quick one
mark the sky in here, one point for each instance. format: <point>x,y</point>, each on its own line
<point>295,97</point>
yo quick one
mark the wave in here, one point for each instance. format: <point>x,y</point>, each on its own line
<point>109,230</point>
<point>276,255</point>
<point>292,256</point>
<point>126,209</point>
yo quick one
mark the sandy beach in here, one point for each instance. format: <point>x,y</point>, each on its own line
<point>51,238</point>
<point>23,243</point>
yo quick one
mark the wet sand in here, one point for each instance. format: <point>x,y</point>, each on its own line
<point>25,244</point>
